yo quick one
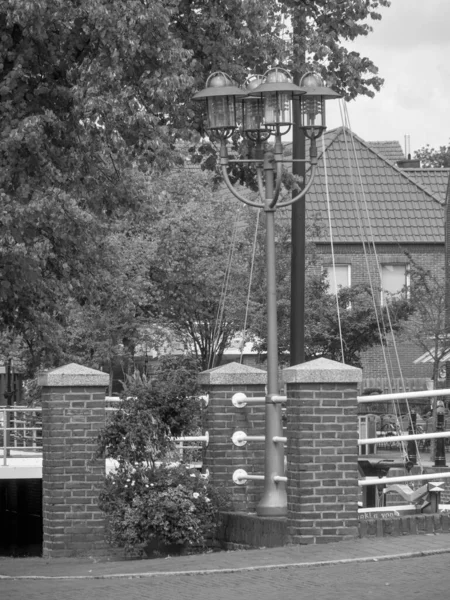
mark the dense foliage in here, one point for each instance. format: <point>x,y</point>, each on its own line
<point>360,322</point>
<point>95,102</point>
<point>426,326</point>
<point>151,496</point>
<point>152,412</point>
<point>167,505</point>
<point>321,28</point>
<point>435,158</point>
<point>357,323</point>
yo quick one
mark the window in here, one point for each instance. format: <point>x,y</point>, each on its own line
<point>337,277</point>
<point>394,280</point>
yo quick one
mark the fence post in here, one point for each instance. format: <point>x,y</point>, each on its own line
<point>322,451</point>
<point>439,460</point>
<point>73,413</point>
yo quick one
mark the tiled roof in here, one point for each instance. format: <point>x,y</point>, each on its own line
<point>391,150</point>
<point>435,180</point>
<point>371,197</point>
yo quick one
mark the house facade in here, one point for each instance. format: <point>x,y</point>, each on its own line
<point>383,210</point>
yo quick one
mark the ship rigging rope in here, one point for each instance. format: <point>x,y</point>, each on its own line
<point>346,123</point>
<point>223,294</point>
<point>363,241</point>
<point>333,258</point>
<point>367,248</point>
<point>249,285</point>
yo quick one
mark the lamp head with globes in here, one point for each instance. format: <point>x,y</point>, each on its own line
<point>276,92</point>
<point>312,105</point>
<point>253,111</point>
<point>220,95</point>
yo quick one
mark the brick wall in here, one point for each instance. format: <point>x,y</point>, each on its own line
<point>73,412</point>
<point>429,256</point>
<point>322,454</point>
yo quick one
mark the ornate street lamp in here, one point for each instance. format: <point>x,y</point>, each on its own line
<point>267,110</point>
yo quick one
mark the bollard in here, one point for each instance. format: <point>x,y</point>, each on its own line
<point>439,460</point>
<point>412,444</point>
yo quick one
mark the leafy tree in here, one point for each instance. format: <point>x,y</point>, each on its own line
<point>93,99</point>
<point>178,374</point>
<point>358,322</point>
<point>323,27</point>
<point>105,333</point>
<point>426,323</point>
<point>199,270</point>
<point>91,94</point>
<point>92,328</point>
<point>430,157</point>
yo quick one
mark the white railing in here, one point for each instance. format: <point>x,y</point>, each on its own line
<point>404,438</point>
<point>20,432</point>
<point>370,481</point>
<point>21,435</point>
<point>402,396</point>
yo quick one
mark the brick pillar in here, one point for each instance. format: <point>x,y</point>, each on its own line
<point>73,412</point>
<point>322,451</point>
<point>222,419</point>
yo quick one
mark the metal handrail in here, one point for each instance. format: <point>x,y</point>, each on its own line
<point>404,438</point>
<point>402,396</point>
<point>388,480</point>
<point>15,427</point>
<point>36,449</point>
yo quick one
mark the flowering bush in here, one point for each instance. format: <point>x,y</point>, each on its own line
<point>170,505</point>
<point>147,500</point>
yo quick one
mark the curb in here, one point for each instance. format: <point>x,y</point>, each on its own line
<point>322,563</point>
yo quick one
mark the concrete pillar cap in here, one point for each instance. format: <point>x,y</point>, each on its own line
<point>322,370</point>
<point>233,374</point>
<point>73,375</point>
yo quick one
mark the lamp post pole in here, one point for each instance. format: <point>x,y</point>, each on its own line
<point>274,499</point>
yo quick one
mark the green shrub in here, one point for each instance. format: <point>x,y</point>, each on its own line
<point>146,499</point>
<point>167,504</point>
<point>135,434</point>
<point>171,393</point>
<point>151,414</point>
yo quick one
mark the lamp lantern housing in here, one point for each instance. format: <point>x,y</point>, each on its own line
<point>312,104</point>
<point>253,108</point>
<point>277,93</point>
<point>220,95</point>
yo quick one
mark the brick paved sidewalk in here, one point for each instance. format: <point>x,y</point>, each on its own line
<point>339,553</point>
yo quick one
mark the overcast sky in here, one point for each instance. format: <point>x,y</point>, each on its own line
<point>411,48</point>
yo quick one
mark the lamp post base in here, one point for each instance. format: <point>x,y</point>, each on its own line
<point>273,504</point>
